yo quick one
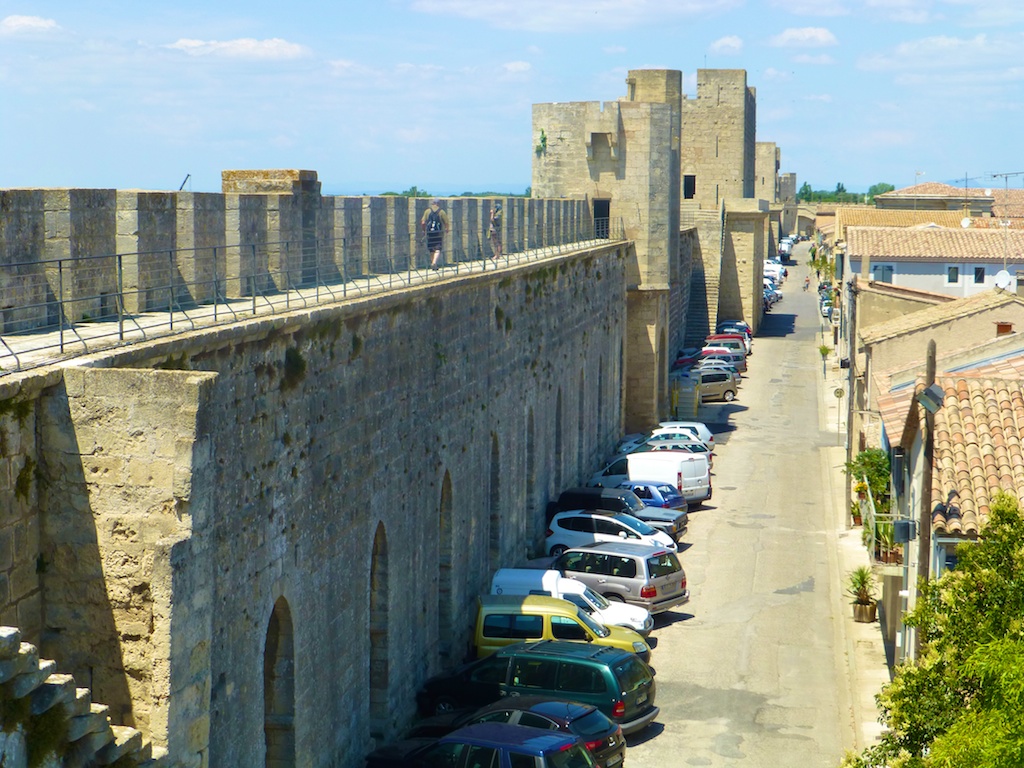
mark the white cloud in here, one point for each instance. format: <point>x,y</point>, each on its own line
<point>824,98</point>
<point>26,25</point>
<point>804,37</point>
<point>771,73</point>
<point>572,15</point>
<point>813,7</point>
<point>819,60</point>
<point>613,49</point>
<point>981,53</point>
<point>515,67</point>
<point>729,44</point>
<point>905,11</point>
<point>242,48</point>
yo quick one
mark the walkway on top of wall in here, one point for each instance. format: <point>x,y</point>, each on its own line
<point>20,352</point>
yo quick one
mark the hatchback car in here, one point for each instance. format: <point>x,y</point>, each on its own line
<point>656,494</point>
<point>487,745</point>
<point>601,736</point>
<point>580,527</point>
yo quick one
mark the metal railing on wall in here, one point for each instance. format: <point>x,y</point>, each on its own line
<point>58,308</point>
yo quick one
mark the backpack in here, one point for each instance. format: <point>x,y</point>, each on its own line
<point>434,221</point>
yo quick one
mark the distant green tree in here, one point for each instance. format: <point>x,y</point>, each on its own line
<point>962,702</point>
<point>806,193</point>
<point>878,189</point>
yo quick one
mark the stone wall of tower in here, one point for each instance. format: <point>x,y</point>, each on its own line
<point>718,137</point>
<point>766,171</point>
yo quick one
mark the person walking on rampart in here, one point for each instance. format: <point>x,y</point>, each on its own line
<point>434,224</point>
<point>494,233</point>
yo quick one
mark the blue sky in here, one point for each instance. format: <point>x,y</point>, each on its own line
<point>387,94</point>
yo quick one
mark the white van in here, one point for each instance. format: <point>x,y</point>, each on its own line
<point>532,581</point>
<point>689,472</point>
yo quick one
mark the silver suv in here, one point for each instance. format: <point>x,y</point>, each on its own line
<point>644,575</point>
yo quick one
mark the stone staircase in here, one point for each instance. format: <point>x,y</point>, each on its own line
<point>45,716</point>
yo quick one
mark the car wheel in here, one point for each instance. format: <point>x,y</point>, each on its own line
<point>444,705</point>
<point>729,395</point>
<point>558,549</point>
<point>614,597</point>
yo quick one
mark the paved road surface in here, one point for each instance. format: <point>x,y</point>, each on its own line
<point>754,671</point>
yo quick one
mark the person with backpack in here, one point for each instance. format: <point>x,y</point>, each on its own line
<point>494,232</point>
<point>434,224</point>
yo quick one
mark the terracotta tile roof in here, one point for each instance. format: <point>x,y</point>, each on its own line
<point>895,398</point>
<point>939,314</point>
<point>1006,203</point>
<point>869,216</point>
<point>934,244</point>
<point>977,451</point>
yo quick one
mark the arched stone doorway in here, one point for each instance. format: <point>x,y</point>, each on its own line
<point>379,677</point>
<point>279,688</point>
<point>494,531</point>
<point>444,575</point>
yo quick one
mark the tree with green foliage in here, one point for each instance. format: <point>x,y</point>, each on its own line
<point>962,702</point>
<point>879,189</point>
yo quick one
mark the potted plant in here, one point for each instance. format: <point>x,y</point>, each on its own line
<point>885,535</point>
<point>860,585</point>
<point>861,489</point>
<point>855,513</point>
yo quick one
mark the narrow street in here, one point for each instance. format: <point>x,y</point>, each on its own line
<point>757,670</point>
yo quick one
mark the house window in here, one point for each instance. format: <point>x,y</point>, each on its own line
<point>979,275</point>
<point>881,273</point>
<point>952,275</point>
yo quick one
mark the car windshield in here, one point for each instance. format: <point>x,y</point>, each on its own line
<point>667,491</point>
<point>594,598</point>
<point>593,624</point>
<point>634,503</point>
<point>637,525</point>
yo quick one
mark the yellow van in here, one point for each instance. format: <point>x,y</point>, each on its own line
<point>506,619</point>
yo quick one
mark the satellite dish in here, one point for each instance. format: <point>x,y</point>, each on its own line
<point>1003,280</point>
<point>988,192</point>
<point>965,222</point>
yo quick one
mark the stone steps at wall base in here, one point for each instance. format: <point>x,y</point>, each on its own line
<point>91,739</point>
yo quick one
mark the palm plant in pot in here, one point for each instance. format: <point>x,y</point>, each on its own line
<point>860,585</point>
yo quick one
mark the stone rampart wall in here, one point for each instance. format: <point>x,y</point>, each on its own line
<point>281,526</point>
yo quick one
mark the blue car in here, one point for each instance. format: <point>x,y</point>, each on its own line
<point>495,745</point>
<point>656,493</point>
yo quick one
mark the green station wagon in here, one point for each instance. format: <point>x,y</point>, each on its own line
<point>617,682</point>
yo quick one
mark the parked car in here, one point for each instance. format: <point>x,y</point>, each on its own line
<point>689,472</point>
<point>490,744</point>
<point>531,581</point>
<point>600,736</point>
<point>506,619</point>
<point>617,682</point>
<point>579,527</point>
<point>713,339</point>
<point>698,428</point>
<point>714,385</point>
<point>634,573</point>
<point>826,309</point>
<point>731,356</point>
<point>709,363</point>
<point>616,499</point>
<point>667,443</point>
<point>656,494</point>
<point>738,324</point>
